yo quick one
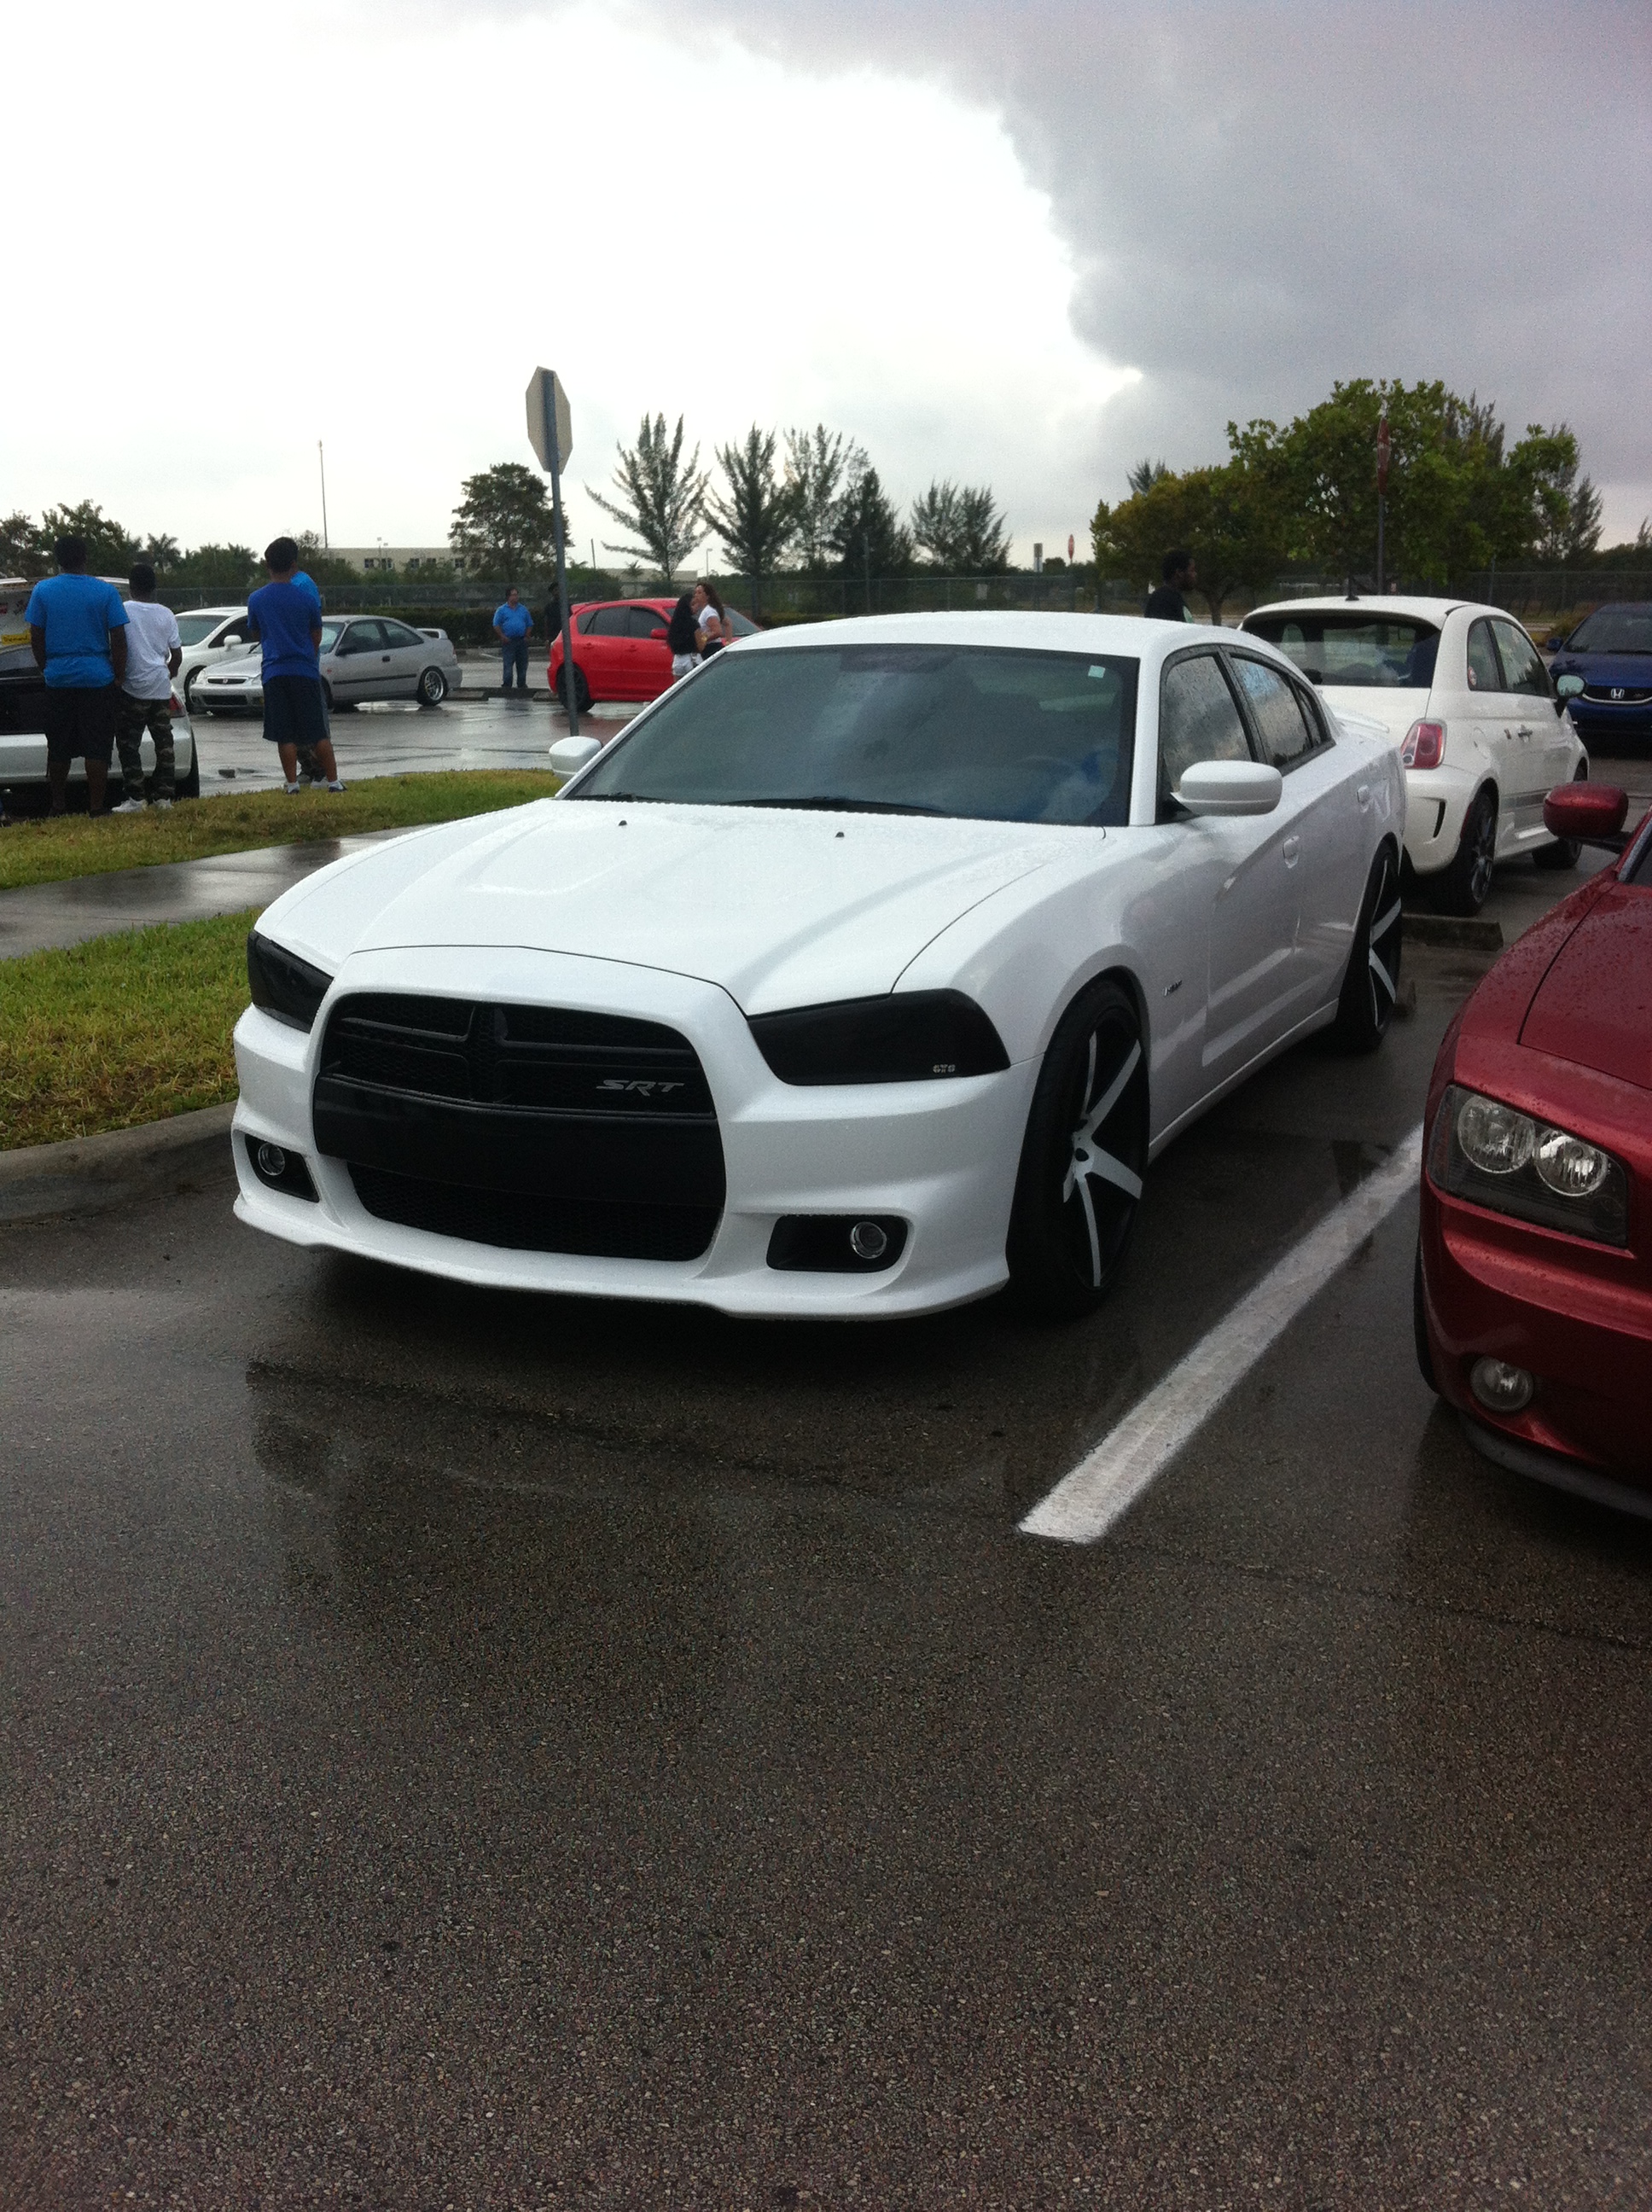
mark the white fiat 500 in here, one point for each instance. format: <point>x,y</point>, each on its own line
<point>865,972</point>
<point>1461,690</point>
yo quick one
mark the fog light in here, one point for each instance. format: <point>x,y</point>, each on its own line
<point>867,1241</point>
<point>1500,1388</point>
<point>272,1161</point>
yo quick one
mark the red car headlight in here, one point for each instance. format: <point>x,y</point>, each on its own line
<point>1495,1156</point>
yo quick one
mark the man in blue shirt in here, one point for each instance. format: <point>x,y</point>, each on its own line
<point>77,633</point>
<point>285,615</point>
<point>512,623</point>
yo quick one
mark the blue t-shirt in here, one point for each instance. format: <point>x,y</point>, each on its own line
<point>78,614</point>
<point>282,616</point>
<point>515,621</point>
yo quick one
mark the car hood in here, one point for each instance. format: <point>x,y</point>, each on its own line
<point>1593,1005</point>
<point>244,664</point>
<point>1630,671</point>
<point>782,908</point>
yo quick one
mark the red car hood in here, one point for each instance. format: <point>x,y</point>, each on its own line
<point>1593,1007</point>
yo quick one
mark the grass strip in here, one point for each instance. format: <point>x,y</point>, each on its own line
<point>194,830</point>
<point>120,1031</point>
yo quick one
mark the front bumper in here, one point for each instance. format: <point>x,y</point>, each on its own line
<point>1599,722</point>
<point>941,1156</point>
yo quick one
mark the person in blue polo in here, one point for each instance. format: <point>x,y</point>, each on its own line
<point>77,632</point>
<point>512,623</point>
<point>285,616</point>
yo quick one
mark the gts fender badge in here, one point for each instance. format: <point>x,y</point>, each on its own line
<point>646,1089</point>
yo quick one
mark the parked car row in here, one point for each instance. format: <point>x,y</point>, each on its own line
<point>363,657</point>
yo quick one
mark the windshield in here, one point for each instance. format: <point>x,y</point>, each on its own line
<point>194,630</point>
<point>1364,652</point>
<point>987,733</point>
<point>1613,629</point>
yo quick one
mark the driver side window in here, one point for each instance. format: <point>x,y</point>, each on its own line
<point>1199,720</point>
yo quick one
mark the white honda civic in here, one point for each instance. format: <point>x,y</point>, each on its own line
<point>867,971</point>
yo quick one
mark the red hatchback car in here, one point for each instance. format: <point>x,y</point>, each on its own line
<point>620,650</point>
<point>1534,1288</point>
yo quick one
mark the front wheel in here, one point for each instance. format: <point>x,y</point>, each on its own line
<point>433,688</point>
<point>1566,852</point>
<point>581,689</point>
<point>1465,886</point>
<point>1372,983</point>
<point>1083,1159</point>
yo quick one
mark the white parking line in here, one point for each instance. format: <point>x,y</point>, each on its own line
<point>1107,1481</point>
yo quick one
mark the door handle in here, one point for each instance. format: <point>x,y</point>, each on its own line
<point>1524,731</point>
<point>1292,848</point>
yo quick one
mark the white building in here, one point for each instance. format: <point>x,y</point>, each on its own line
<point>398,560</point>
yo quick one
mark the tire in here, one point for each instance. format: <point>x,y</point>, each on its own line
<point>190,786</point>
<point>1566,852</point>
<point>1372,983</point>
<point>433,687</point>
<point>581,689</point>
<point>1466,885</point>
<point>190,707</point>
<point>1419,1324</point>
<point>1079,1190</point>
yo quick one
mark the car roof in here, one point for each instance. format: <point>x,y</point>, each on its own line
<point>579,606</point>
<point>1134,637</point>
<point>1620,607</point>
<point>1390,602</point>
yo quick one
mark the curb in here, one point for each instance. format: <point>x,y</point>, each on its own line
<point>1448,929</point>
<point>85,1174</point>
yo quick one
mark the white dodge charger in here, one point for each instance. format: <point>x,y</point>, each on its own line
<point>864,972</point>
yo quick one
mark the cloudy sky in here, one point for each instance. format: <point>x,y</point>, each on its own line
<point>1021,241</point>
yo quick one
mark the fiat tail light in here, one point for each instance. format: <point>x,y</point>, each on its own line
<point>1424,745</point>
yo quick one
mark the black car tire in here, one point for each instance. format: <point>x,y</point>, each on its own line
<point>581,689</point>
<point>1372,983</point>
<point>1566,852</point>
<point>1464,886</point>
<point>433,687</point>
<point>1079,1190</point>
<point>1419,1324</point>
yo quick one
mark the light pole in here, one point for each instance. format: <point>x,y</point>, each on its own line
<point>1381,494</point>
<point>321,458</point>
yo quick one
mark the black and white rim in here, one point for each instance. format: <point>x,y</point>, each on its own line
<point>1101,1191</point>
<point>1483,828</point>
<point>1382,942</point>
<point>433,687</point>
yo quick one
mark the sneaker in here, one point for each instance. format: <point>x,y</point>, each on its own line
<point>335,786</point>
<point>292,791</point>
<point>161,802</point>
<point>129,807</point>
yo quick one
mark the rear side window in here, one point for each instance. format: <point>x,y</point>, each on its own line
<point>1522,670</point>
<point>1484,674</point>
<point>610,622</point>
<point>1199,720</point>
<point>645,621</point>
<point>1286,733</point>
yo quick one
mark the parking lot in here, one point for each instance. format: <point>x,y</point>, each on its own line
<point>476,1750</point>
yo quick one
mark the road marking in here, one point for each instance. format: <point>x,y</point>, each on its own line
<point>1107,1481</point>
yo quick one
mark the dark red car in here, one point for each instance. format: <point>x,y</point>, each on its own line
<point>620,650</point>
<point>1534,1287</point>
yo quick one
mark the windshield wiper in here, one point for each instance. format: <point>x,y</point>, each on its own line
<point>834,803</point>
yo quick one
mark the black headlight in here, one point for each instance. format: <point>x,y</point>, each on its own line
<point>911,1037</point>
<point>1495,1156</point>
<point>283,984</point>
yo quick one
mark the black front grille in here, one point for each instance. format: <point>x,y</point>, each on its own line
<point>535,1128</point>
<point>1616,695</point>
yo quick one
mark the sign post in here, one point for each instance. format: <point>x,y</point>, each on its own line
<point>550,432</point>
<point>1382,493</point>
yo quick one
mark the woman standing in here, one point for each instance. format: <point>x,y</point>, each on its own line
<point>711,616</point>
<point>682,640</point>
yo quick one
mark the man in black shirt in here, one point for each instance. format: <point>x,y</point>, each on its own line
<point>1167,604</point>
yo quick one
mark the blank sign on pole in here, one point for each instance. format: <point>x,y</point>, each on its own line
<point>539,415</point>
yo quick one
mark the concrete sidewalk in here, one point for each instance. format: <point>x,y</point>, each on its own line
<point>41,916</point>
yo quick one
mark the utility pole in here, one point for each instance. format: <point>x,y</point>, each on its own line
<point>320,454</point>
<point>1382,493</point>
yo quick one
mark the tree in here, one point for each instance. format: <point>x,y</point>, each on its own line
<point>661,498</point>
<point>1565,508</point>
<point>1229,518</point>
<point>110,550</point>
<point>867,535</point>
<point>819,463</point>
<point>231,569</point>
<point>502,525</point>
<point>1146,474</point>
<point>758,519</point>
<point>25,550</point>
<point>162,554</point>
<point>961,527</point>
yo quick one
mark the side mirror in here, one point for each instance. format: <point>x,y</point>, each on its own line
<point>1568,687</point>
<point>660,634</point>
<point>570,755</point>
<point>1223,787</point>
<point>1588,814</point>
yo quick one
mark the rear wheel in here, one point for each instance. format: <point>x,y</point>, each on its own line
<point>581,689</point>
<point>1566,852</point>
<point>433,688</point>
<point>1083,1159</point>
<point>1372,983</point>
<point>1465,886</point>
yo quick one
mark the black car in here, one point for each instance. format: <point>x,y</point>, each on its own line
<point>1609,652</point>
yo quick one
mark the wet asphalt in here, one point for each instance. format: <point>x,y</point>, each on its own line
<point>477,1751</point>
